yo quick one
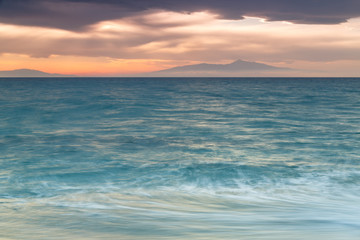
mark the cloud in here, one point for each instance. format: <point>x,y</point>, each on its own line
<point>58,14</point>
<point>196,37</point>
<point>184,32</point>
<point>77,14</point>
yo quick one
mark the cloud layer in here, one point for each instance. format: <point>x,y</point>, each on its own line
<point>77,14</point>
<point>197,36</point>
<point>159,34</point>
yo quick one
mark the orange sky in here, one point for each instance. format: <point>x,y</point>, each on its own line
<point>164,39</point>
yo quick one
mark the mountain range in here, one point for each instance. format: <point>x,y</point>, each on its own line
<point>238,68</point>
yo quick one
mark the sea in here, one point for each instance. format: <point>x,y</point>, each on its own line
<point>180,158</point>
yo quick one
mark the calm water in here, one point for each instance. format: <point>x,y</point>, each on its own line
<point>180,159</point>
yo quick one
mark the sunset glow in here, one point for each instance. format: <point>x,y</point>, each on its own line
<point>158,38</point>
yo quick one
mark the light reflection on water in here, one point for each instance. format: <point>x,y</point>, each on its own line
<point>180,159</point>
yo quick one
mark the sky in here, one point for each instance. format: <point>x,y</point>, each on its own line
<point>121,37</point>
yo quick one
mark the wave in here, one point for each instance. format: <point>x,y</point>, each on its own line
<point>217,178</point>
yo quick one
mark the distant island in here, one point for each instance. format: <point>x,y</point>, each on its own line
<point>30,73</point>
<point>237,68</point>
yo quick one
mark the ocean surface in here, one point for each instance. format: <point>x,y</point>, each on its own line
<point>159,158</point>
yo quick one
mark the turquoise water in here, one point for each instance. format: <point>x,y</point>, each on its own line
<point>180,158</point>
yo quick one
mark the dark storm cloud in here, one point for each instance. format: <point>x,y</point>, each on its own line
<point>75,14</point>
<point>63,14</point>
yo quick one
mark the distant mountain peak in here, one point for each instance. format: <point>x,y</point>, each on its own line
<point>238,61</point>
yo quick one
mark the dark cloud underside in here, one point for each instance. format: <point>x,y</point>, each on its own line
<point>75,14</point>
